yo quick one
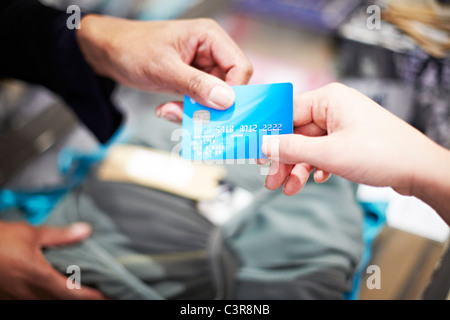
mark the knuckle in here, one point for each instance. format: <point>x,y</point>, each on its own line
<point>207,22</point>
<point>248,70</point>
<point>291,150</point>
<point>245,69</point>
<point>196,84</point>
<point>289,156</point>
<point>335,87</point>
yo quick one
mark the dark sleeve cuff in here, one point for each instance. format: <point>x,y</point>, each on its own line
<point>86,93</point>
<point>37,47</point>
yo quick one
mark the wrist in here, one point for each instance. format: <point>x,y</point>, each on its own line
<point>93,44</point>
<point>433,171</point>
<point>432,183</point>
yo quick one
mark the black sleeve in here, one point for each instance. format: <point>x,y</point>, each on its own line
<point>37,47</point>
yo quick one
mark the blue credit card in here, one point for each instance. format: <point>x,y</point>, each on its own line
<point>238,132</point>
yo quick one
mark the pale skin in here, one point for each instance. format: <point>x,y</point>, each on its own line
<point>192,57</point>
<point>338,130</point>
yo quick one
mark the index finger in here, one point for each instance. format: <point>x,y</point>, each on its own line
<point>311,107</point>
<point>230,58</point>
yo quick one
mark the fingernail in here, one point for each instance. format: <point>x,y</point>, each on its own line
<point>222,97</point>
<point>265,147</point>
<point>170,117</point>
<point>80,228</point>
<point>270,147</point>
<point>158,113</point>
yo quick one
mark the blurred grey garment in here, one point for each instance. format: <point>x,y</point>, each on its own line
<point>162,256</point>
<point>301,247</point>
<point>147,244</point>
